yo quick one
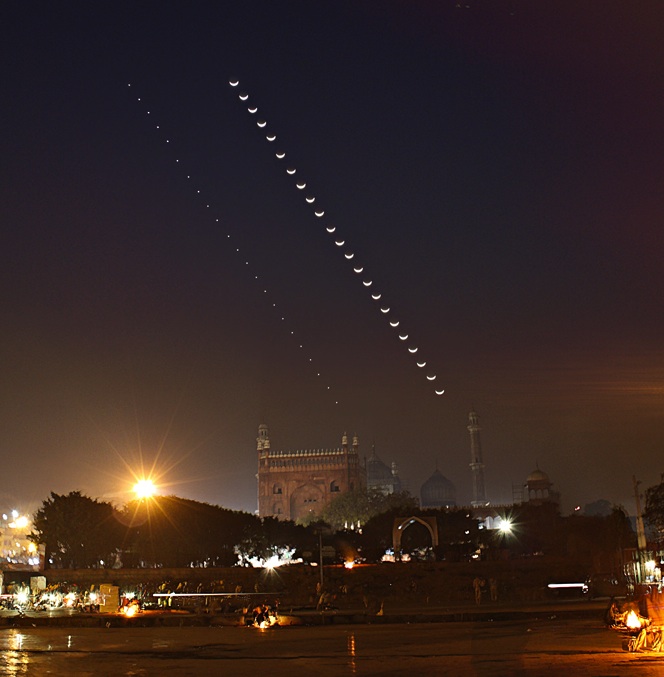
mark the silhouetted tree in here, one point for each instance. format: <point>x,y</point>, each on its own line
<point>77,531</point>
<point>654,510</point>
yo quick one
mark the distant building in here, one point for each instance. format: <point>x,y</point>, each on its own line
<point>380,476</point>
<point>17,551</point>
<point>538,489</point>
<point>437,492</point>
<point>293,485</point>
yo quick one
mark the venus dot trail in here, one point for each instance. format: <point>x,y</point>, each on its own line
<point>348,253</point>
<point>204,201</point>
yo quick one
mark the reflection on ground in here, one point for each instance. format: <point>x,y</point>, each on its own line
<point>545,648</point>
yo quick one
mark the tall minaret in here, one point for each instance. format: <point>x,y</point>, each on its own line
<point>476,465</point>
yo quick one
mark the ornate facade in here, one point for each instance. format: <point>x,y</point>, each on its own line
<point>295,485</point>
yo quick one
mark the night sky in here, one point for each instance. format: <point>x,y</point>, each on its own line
<point>497,167</point>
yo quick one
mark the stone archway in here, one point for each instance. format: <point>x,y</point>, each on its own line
<point>402,523</point>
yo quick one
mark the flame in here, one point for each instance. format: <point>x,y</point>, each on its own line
<point>130,610</point>
<point>632,621</point>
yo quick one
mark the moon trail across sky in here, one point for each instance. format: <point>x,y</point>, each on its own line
<point>348,255</point>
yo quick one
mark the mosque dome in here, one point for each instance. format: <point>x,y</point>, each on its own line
<point>377,470</point>
<point>539,488</point>
<point>538,476</point>
<point>437,492</point>
<point>381,476</point>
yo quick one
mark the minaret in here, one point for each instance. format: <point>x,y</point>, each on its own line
<point>262,441</point>
<point>476,465</point>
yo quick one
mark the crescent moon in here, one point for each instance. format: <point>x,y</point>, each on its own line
<point>367,283</point>
<point>290,171</point>
<point>412,350</point>
<point>253,110</point>
<point>319,214</point>
<point>233,83</point>
<point>440,392</point>
<point>394,324</point>
<point>271,137</point>
<point>261,123</point>
<point>349,255</point>
<point>403,337</point>
<point>431,378</point>
<point>310,200</point>
<point>301,186</point>
<point>376,297</point>
<point>331,229</point>
<point>340,243</point>
<point>358,270</point>
<point>243,96</point>
<point>281,156</point>
<point>384,310</point>
<point>421,364</point>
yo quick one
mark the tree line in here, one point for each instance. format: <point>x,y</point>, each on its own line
<point>168,531</point>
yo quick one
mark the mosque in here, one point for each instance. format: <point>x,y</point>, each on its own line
<point>293,485</point>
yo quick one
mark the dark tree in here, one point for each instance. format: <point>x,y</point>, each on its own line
<point>77,531</point>
<point>175,532</point>
<point>654,510</point>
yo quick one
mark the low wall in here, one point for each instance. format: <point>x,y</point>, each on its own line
<point>411,584</point>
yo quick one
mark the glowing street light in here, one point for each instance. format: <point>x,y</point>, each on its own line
<point>505,527</point>
<point>144,489</point>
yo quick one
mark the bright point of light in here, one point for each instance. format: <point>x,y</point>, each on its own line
<point>319,214</point>
<point>144,488</point>
<point>22,596</point>
<point>632,621</point>
<point>367,283</point>
<point>384,310</point>
<point>349,564</point>
<point>19,522</point>
<point>505,527</point>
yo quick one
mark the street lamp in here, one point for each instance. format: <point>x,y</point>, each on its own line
<point>144,488</point>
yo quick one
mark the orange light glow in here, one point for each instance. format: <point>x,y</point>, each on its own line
<point>145,488</point>
<point>632,621</point>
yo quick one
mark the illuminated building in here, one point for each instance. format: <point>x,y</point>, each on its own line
<point>299,484</point>
<point>17,551</point>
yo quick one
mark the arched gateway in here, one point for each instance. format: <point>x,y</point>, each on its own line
<point>402,523</point>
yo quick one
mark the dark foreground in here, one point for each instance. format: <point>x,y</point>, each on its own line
<point>547,647</point>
